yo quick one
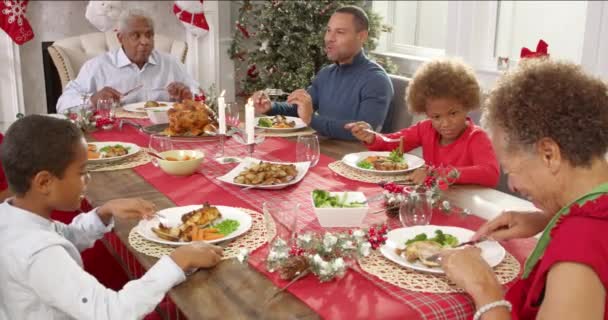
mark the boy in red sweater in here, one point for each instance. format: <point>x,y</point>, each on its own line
<point>446,91</point>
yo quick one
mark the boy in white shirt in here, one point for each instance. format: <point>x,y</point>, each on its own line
<point>40,266</point>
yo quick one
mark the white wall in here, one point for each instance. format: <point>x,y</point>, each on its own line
<point>53,20</point>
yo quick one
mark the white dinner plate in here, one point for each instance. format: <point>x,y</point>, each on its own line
<point>351,160</point>
<point>491,251</point>
<point>139,106</point>
<point>302,168</point>
<point>131,148</point>
<point>174,218</point>
<point>299,124</point>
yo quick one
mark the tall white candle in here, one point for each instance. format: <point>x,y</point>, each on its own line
<point>249,121</point>
<point>221,108</point>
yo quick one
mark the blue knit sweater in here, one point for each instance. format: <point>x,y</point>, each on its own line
<point>360,91</point>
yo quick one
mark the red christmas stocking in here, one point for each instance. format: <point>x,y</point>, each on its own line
<point>13,21</point>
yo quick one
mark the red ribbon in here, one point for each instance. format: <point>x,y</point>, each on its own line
<point>196,19</point>
<point>541,51</point>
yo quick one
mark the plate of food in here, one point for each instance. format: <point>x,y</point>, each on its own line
<point>147,105</point>
<point>260,174</point>
<point>110,151</point>
<point>280,123</point>
<point>383,162</point>
<point>412,247</point>
<point>181,225</point>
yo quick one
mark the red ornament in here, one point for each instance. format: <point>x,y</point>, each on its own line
<point>243,30</point>
<point>14,22</point>
<point>252,72</point>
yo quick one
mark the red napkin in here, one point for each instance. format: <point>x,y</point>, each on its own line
<point>541,51</point>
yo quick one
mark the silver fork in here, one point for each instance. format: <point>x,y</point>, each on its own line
<point>437,257</point>
<point>383,137</point>
<point>275,92</point>
<point>134,89</point>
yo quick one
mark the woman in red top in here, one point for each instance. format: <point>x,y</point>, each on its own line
<point>549,124</point>
<point>446,91</point>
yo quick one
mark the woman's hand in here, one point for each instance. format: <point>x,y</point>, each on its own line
<point>358,130</point>
<point>469,271</point>
<point>512,225</point>
<point>197,255</point>
<point>131,208</point>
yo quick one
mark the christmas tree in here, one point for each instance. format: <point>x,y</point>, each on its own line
<point>279,44</point>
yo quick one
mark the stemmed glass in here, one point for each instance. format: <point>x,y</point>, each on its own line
<point>307,149</point>
<point>159,144</point>
<point>232,110</point>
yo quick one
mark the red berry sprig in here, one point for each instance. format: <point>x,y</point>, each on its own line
<point>393,188</point>
<point>296,251</point>
<point>103,122</point>
<point>377,236</point>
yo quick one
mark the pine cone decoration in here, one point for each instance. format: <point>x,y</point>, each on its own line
<point>293,267</point>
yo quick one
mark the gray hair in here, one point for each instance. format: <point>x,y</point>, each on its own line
<point>127,15</point>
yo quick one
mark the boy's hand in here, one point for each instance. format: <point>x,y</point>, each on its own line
<point>197,255</point>
<point>132,208</point>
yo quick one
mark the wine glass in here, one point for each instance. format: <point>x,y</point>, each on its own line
<point>159,144</point>
<point>307,149</point>
<point>232,114</point>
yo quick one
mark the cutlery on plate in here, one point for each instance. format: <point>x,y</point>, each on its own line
<point>132,90</point>
<point>437,257</point>
<point>383,137</point>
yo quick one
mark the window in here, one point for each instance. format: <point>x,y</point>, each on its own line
<point>419,27</point>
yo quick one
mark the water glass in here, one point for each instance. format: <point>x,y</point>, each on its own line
<point>160,143</point>
<point>417,208</point>
<point>307,149</point>
<point>106,110</point>
<point>285,217</point>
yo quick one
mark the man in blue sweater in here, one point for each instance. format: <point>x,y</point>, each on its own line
<point>354,88</point>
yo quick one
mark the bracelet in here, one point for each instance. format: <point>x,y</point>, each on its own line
<point>485,308</point>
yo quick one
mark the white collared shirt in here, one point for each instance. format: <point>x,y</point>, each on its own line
<point>41,275</point>
<point>114,69</point>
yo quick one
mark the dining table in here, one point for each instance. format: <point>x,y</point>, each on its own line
<point>233,290</point>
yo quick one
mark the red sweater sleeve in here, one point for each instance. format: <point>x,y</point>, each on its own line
<point>411,139</point>
<point>484,171</point>
<point>3,182</point>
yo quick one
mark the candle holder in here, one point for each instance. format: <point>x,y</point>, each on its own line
<point>220,154</point>
<point>241,137</point>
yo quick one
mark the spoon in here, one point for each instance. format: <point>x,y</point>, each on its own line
<point>155,155</point>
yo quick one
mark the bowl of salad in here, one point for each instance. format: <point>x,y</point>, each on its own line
<point>339,209</point>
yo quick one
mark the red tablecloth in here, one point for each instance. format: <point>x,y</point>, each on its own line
<point>358,295</point>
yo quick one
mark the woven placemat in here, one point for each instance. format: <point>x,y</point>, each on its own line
<point>257,236</point>
<point>136,160</point>
<point>347,172</point>
<point>122,113</point>
<point>377,265</point>
<point>304,132</point>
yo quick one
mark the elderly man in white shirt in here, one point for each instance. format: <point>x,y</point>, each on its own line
<point>135,63</point>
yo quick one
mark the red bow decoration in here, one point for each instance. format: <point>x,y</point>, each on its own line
<point>541,51</point>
